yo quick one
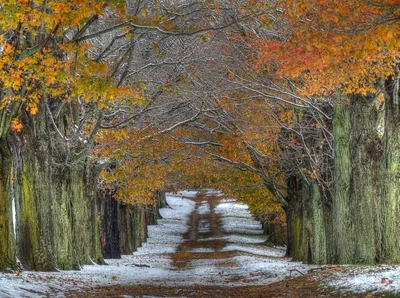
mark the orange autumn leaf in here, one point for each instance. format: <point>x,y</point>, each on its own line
<point>16,125</point>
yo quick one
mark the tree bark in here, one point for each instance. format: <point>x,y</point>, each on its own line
<point>64,245</point>
<point>7,244</point>
<point>365,201</point>
<point>341,186</point>
<point>110,233</point>
<point>33,175</point>
<point>390,173</point>
<point>86,223</point>
<point>294,219</point>
<point>57,223</point>
<point>138,226</point>
<point>356,190</point>
<point>125,219</point>
<point>275,230</point>
<point>7,197</point>
<point>314,224</point>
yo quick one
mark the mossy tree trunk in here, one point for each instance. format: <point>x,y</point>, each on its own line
<point>63,218</point>
<point>77,235</point>
<point>125,219</point>
<point>275,230</point>
<point>110,233</point>
<point>294,219</point>
<point>356,189</point>
<point>33,175</point>
<point>137,226</point>
<point>341,186</point>
<point>161,199</point>
<point>329,232</point>
<point>86,215</point>
<point>314,224</point>
<point>7,247</point>
<point>57,223</point>
<point>80,178</point>
<point>390,173</point>
<point>7,178</point>
<point>365,154</point>
<point>143,223</point>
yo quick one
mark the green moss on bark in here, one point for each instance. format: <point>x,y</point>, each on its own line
<point>7,245</point>
<point>356,190</point>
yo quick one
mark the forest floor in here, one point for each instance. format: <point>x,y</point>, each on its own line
<point>206,245</point>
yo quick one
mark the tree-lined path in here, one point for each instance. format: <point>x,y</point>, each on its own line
<point>222,253</point>
<point>206,245</point>
<point>290,107</point>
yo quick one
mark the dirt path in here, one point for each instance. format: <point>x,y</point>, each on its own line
<point>211,244</point>
<point>204,239</point>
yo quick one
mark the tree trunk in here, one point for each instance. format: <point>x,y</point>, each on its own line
<point>144,220</point>
<point>329,232</point>
<point>275,230</point>
<point>341,186</point>
<point>314,225</point>
<point>57,216</point>
<point>390,174</point>
<point>161,199</point>
<point>109,225</point>
<point>138,224</point>
<point>7,244</point>
<point>124,226</point>
<point>355,192</point>
<point>64,245</point>
<point>125,219</point>
<point>33,175</point>
<point>86,223</point>
<point>294,220</point>
<point>365,201</point>
<point>7,196</point>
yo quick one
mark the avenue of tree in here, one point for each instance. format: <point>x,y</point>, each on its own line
<point>291,106</point>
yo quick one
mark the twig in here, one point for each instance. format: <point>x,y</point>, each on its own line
<point>318,268</point>
<point>141,265</point>
<point>295,270</point>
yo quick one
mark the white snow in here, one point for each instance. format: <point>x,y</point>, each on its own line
<point>373,279</point>
<point>204,208</point>
<point>202,249</point>
<point>167,235</point>
<point>190,193</point>
<point>213,192</point>
<point>246,239</point>
<point>180,208</point>
<point>256,250</point>
<point>186,193</point>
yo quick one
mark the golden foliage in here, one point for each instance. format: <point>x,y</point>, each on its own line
<point>38,61</point>
<point>335,44</point>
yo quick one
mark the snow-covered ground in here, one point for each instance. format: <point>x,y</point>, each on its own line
<point>167,235</point>
<point>371,279</point>
<point>242,259</point>
<point>204,208</point>
<point>164,238</point>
